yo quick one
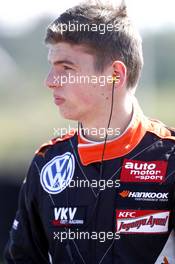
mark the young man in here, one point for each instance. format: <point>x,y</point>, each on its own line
<point>93,197</point>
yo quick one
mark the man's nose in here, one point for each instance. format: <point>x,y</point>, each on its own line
<point>52,80</point>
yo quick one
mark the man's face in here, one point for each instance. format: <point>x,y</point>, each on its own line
<point>77,100</point>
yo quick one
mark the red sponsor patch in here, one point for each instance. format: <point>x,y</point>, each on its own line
<point>60,223</point>
<point>143,171</point>
<point>142,221</point>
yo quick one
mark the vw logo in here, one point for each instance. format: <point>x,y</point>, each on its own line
<point>56,174</point>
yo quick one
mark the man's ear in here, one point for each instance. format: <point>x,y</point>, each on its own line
<point>119,73</point>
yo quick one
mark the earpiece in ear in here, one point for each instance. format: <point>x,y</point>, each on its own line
<point>115,77</point>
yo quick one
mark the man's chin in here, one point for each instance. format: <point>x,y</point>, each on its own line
<point>68,115</point>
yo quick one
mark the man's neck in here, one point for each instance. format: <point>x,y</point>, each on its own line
<point>95,129</point>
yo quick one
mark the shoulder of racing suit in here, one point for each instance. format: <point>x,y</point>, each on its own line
<point>45,147</point>
<point>160,129</point>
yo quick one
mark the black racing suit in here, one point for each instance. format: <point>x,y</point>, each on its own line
<point>130,221</point>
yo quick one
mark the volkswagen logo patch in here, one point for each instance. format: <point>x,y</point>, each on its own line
<point>56,174</point>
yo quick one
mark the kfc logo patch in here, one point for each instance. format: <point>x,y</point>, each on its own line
<point>141,171</point>
<point>142,221</point>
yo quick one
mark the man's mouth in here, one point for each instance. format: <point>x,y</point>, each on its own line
<point>59,100</point>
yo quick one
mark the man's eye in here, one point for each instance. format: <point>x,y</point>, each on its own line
<point>67,68</point>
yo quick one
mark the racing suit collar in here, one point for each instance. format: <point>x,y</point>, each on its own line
<point>90,151</point>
